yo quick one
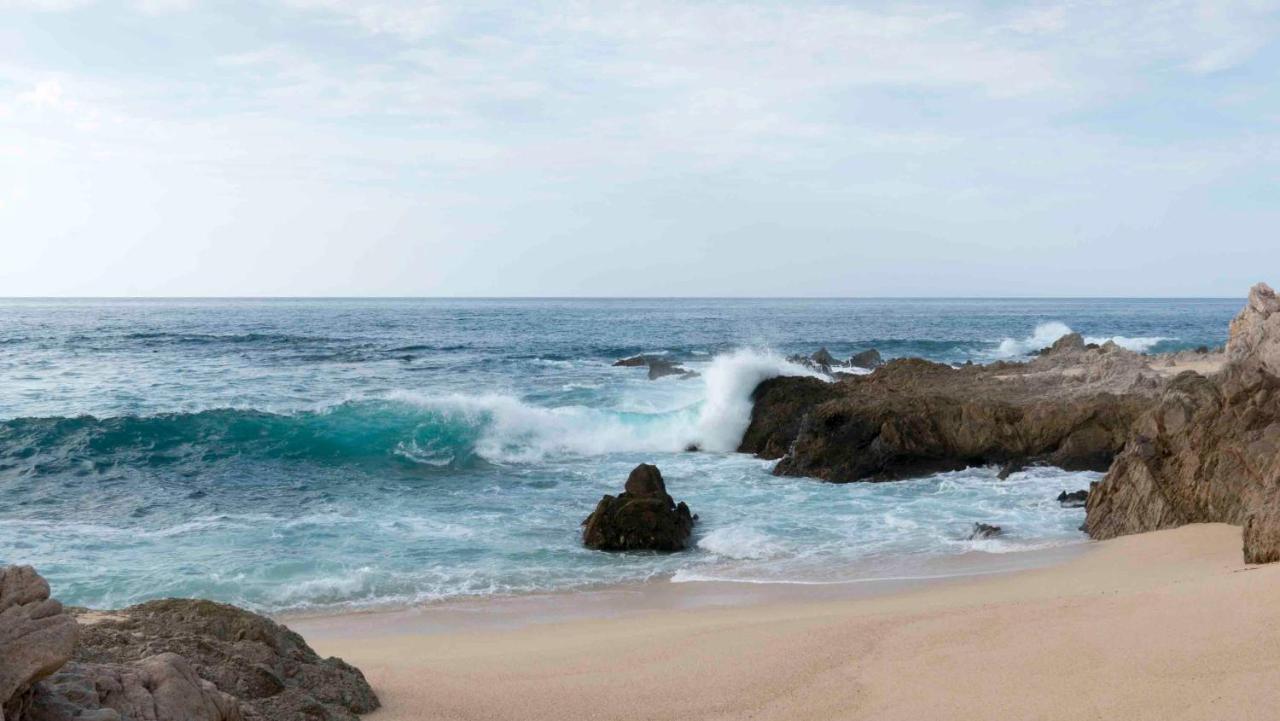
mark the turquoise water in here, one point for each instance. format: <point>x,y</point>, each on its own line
<point>289,454</point>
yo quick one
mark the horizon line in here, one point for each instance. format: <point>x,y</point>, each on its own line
<point>619,297</point>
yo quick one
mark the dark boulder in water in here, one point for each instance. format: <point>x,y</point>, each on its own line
<point>1075,499</point>
<point>658,367</point>
<point>984,530</point>
<point>866,359</point>
<point>824,358</point>
<point>642,517</point>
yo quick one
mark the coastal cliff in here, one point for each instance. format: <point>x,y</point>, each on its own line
<point>1209,449</point>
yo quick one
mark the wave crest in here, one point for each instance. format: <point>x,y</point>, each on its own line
<point>1045,334</point>
<point>444,431</point>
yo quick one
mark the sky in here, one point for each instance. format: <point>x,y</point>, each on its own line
<point>578,148</point>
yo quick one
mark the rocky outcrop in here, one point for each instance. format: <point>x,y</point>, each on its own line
<point>36,637</point>
<point>658,366</point>
<point>158,688</point>
<point>823,362</point>
<point>1075,499</point>
<point>984,530</point>
<point>866,359</point>
<point>642,517</point>
<point>1209,450</point>
<point>171,660</point>
<point>271,669</point>
<point>1071,408</point>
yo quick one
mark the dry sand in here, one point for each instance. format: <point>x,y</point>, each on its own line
<point>1167,625</point>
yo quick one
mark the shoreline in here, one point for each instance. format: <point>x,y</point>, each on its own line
<point>1136,627</point>
<point>512,611</point>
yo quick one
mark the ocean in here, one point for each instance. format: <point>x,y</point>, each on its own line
<point>292,455</point>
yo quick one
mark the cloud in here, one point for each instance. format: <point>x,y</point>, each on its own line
<point>591,124</point>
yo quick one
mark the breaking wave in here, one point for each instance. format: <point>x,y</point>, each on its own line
<point>1046,334</point>
<point>405,426</point>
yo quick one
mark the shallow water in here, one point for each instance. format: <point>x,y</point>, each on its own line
<point>301,454</point>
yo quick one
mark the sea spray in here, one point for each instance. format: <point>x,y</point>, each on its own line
<point>730,380</point>
<point>1045,334</point>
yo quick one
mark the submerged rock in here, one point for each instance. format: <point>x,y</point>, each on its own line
<point>1075,499</point>
<point>1209,450</point>
<point>642,517</point>
<point>658,367</point>
<point>984,530</point>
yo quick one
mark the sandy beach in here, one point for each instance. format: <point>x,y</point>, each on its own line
<point>1165,625</point>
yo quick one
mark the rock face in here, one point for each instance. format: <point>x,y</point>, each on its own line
<point>866,359</point>
<point>270,669</point>
<point>658,367</point>
<point>36,637</point>
<point>1209,450</point>
<point>642,517</point>
<point>172,660</point>
<point>157,688</point>
<point>1071,408</point>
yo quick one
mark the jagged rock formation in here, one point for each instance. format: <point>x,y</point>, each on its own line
<point>642,517</point>
<point>823,362</point>
<point>171,660</point>
<point>1071,407</point>
<point>36,637</point>
<point>866,359</point>
<point>1075,499</point>
<point>984,530</point>
<point>1209,450</point>
<point>658,367</point>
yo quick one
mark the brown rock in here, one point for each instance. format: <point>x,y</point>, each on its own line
<point>642,517</point>
<point>867,359</point>
<point>271,669</point>
<point>158,688</point>
<point>913,417</point>
<point>36,636</point>
<point>1209,450</point>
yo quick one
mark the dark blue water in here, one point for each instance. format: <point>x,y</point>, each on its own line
<point>285,454</point>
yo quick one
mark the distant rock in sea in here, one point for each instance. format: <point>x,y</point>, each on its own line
<point>642,517</point>
<point>658,366</point>
<point>866,359</point>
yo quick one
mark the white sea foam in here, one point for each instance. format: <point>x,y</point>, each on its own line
<point>511,431</point>
<point>1046,334</point>
<point>740,542</point>
<point>730,380</point>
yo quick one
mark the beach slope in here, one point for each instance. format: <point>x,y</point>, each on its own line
<point>1164,625</point>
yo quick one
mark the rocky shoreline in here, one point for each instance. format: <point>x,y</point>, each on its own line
<point>1178,446</point>
<point>169,660</point>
